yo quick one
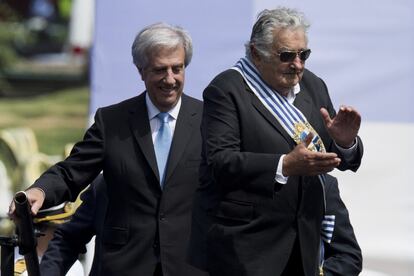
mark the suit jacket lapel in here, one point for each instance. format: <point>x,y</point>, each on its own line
<point>269,117</point>
<point>304,103</point>
<point>139,124</point>
<point>182,134</point>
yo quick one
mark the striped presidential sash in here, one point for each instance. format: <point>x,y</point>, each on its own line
<point>328,225</point>
<point>289,117</point>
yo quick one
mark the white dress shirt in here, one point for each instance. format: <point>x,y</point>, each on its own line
<point>155,123</point>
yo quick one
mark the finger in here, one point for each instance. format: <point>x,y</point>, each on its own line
<point>348,109</point>
<point>349,117</point>
<point>355,116</point>
<point>326,167</point>
<point>36,207</point>
<point>12,208</point>
<point>343,107</point>
<point>324,156</point>
<point>323,165</point>
<point>325,116</point>
<point>329,163</point>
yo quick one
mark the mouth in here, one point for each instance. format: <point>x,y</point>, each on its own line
<point>168,89</point>
<point>293,72</point>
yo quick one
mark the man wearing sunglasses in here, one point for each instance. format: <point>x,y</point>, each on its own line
<point>270,135</point>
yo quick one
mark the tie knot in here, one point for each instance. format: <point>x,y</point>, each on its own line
<point>163,117</point>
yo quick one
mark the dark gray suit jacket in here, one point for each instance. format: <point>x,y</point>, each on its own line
<point>245,223</point>
<point>342,255</point>
<point>143,224</point>
<point>70,238</point>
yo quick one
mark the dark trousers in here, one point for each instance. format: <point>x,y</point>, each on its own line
<point>158,270</point>
<point>294,265</point>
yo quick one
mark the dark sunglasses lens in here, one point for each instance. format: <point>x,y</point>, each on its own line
<point>305,54</point>
<point>287,56</point>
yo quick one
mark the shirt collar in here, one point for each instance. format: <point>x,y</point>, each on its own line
<point>293,93</point>
<point>296,89</point>
<point>153,110</point>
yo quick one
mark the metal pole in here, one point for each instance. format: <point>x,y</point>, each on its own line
<point>26,235</point>
<point>7,256</point>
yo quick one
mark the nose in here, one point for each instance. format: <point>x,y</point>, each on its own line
<point>298,63</point>
<point>169,77</point>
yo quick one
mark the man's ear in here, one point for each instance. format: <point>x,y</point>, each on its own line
<point>141,72</point>
<point>255,55</point>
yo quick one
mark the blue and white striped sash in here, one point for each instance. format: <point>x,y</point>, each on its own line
<point>328,226</point>
<point>290,117</point>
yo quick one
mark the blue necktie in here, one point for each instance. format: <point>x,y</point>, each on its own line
<point>162,144</point>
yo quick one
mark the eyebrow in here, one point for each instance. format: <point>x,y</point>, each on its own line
<point>166,66</point>
<point>290,49</point>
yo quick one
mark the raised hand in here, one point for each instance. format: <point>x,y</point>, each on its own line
<point>302,161</point>
<point>344,127</point>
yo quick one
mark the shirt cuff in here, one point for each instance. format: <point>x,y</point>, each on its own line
<point>279,177</point>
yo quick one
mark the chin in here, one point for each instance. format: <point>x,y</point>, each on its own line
<point>290,84</point>
<point>169,103</point>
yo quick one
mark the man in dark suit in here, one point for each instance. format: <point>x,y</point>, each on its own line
<point>148,148</point>
<point>342,255</point>
<point>70,238</point>
<point>270,133</point>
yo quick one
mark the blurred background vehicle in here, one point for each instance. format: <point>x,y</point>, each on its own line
<point>44,45</point>
<point>44,48</point>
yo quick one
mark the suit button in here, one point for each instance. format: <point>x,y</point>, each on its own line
<point>162,216</point>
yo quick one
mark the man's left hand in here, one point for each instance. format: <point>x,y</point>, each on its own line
<point>344,127</point>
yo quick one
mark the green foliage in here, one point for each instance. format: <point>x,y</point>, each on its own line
<point>7,13</point>
<point>57,119</point>
<point>7,52</point>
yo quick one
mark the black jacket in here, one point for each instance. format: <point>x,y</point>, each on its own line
<point>143,224</point>
<point>245,223</point>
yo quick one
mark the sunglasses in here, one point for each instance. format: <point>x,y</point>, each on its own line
<point>289,56</point>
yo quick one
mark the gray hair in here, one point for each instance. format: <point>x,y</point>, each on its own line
<point>262,36</point>
<point>160,35</point>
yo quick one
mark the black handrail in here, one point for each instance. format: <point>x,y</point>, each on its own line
<point>7,255</point>
<point>26,237</point>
